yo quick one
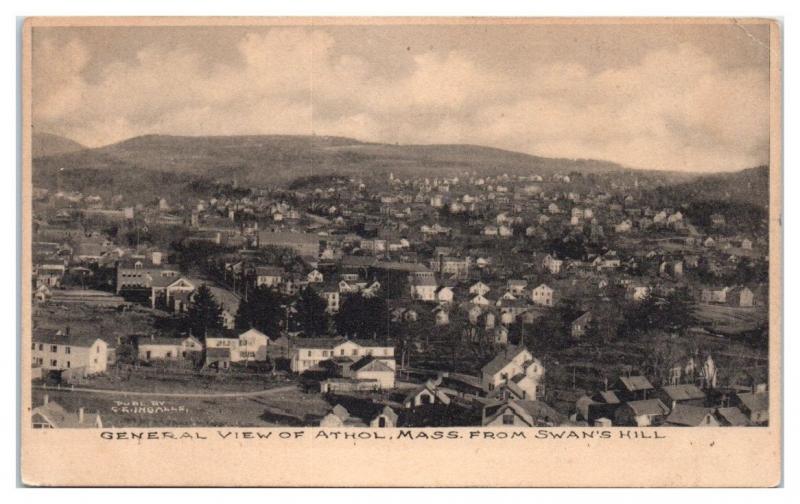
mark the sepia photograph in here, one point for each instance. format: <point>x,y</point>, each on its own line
<point>401,229</point>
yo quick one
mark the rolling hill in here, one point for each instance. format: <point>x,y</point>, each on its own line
<point>153,164</point>
<point>277,159</point>
<point>47,144</point>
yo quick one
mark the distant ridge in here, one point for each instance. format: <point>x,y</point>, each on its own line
<point>48,144</point>
<point>278,159</point>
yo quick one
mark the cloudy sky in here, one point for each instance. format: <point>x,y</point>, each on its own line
<point>687,97</point>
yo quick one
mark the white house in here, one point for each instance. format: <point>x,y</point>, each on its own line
<point>371,368</point>
<point>249,346</point>
<point>517,287</point>
<point>514,365</point>
<point>542,295</point>
<point>519,413</point>
<point>479,300</point>
<point>637,292</point>
<point>167,349</point>
<point>269,276</point>
<point>427,394</point>
<point>309,352</point>
<point>552,264</point>
<point>253,346</point>
<point>444,294</point>
<point>423,288</point>
<point>479,288</point>
<point>62,350</point>
<point>314,276</point>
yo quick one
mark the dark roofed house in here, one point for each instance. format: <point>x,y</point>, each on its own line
<point>684,415</point>
<point>732,417</point>
<point>526,413</point>
<point>370,368</point>
<point>387,418</point>
<point>604,405</point>
<point>642,413</point>
<point>755,405</point>
<point>340,417</point>
<point>427,394</point>
<point>633,388</point>
<point>218,358</point>
<point>685,393</point>
<point>51,415</point>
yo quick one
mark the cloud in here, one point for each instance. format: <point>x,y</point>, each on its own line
<point>676,108</point>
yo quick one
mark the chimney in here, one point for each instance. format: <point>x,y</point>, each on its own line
<point>80,415</point>
<point>45,400</point>
<point>66,331</point>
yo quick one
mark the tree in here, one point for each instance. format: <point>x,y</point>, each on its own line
<point>362,317</point>
<point>677,312</point>
<point>263,309</point>
<point>204,313</point>
<point>311,312</point>
<point>604,324</point>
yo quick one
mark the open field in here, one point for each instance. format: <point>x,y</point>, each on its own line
<point>107,323</point>
<point>730,320</point>
<point>283,407</point>
<point>178,381</point>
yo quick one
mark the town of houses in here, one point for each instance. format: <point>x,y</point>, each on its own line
<point>404,301</point>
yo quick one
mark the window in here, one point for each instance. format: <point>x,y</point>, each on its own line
<point>33,346</point>
<point>341,352</point>
<point>324,353</point>
<point>169,355</point>
<point>54,348</point>
<point>355,351</point>
<point>508,419</point>
<point>95,361</point>
<point>54,363</point>
<point>98,349</point>
<point>309,353</point>
<point>69,364</point>
<point>67,350</point>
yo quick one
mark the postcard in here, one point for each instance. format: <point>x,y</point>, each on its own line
<point>401,252</point>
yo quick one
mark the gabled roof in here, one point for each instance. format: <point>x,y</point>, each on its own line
<point>58,417</point>
<point>424,281</point>
<point>635,383</point>
<point>531,411</point>
<point>269,271</point>
<point>373,343</point>
<point>324,343</point>
<point>57,337</point>
<point>683,392</point>
<point>218,353</point>
<point>502,359</point>
<point>583,318</point>
<point>648,407</point>
<point>690,416</point>
<point>733,417</point>
<point>430,387</point>
<point>758,401</point>
<point>370,364</point>
<point>161,340</point>
<point>388,412</point>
